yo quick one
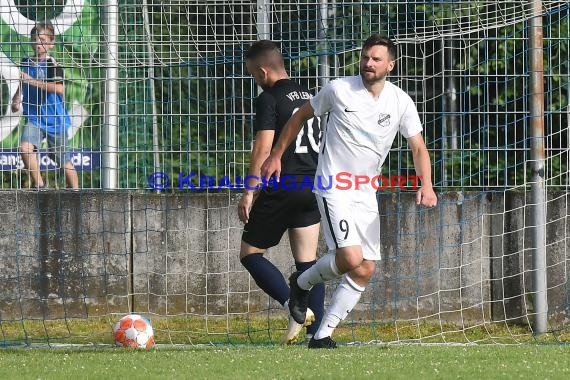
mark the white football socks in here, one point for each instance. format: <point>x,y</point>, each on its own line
<point>345,297</point>
<point>325,269</point>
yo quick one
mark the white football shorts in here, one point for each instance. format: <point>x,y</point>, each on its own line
<point>347,222</point>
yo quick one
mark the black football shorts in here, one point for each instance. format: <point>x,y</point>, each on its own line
<point>275,211</point>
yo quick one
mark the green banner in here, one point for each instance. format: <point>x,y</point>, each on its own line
<point>77,29</point>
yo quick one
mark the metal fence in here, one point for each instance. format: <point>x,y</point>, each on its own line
<point>161,86</point>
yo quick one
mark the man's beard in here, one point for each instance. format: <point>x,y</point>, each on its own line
<point>374,80</point>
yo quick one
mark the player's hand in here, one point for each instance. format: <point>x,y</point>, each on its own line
<point>271,166</point>
<point>426,197</point>
<point>25,77</point>
<point>16,105</point>
<point>245,204</point>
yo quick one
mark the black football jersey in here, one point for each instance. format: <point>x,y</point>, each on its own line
<point>274,106</point>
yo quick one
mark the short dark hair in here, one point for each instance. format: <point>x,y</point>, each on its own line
<point>377,39</point>
<point>45,27</point>
<point>265,52</point>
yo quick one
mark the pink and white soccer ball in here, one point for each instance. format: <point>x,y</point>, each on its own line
<point>133,331</point>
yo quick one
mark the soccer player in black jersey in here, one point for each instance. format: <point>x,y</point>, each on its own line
<point>269,211</point>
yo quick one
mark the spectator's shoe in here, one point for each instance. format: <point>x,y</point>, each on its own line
<point>325,342</point>
<point>298,300</point>
<point>294,328</point>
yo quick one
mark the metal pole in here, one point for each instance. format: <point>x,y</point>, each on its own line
<point>263,29</point>
<point>445,101</point>
<point>536,107</point>
<point>452,96</point>
<point>150,52</point>
<point>450,104</point>
<point>110,141</point>
<point>324,67</point>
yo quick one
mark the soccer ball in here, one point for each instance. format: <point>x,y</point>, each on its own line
<point>133,331</point>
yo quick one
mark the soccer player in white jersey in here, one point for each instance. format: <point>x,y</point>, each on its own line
<point>365,112</point>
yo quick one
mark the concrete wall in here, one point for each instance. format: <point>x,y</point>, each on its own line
<point>78,254</point>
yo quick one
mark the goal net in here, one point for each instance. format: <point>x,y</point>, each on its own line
<point>161,112</point>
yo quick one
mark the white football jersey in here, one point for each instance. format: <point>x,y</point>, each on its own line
<point>359,133</point>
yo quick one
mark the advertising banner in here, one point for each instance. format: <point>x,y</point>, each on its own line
<point>76,25</point>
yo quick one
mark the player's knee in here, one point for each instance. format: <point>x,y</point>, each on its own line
<point>364,272</point>
<point>243,255</point>
<point>26,147</point>
<point>349,258</point>
<point>247,250</point>
<point>68,165</point>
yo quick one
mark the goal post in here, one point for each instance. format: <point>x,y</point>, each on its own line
<point>536,106</point>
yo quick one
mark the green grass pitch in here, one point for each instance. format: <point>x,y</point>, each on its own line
<point>528,361</point>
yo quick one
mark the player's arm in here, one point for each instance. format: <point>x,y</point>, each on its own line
<point>57,87</point>
<point>425,195</point>
<point>272,164</point>
<point>260,151</point>
<point>17,100</point>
